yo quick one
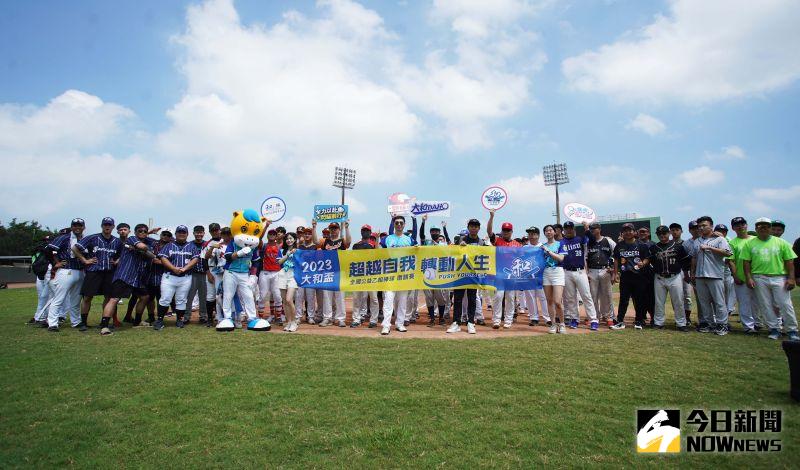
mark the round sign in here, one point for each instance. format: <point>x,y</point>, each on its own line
<point>579,213</point>
<point>494,197</point>
<point>273,208</point>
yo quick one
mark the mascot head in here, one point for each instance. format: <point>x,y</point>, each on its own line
<point>246,228</point>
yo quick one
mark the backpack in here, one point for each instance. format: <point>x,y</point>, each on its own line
<point>39,263</point>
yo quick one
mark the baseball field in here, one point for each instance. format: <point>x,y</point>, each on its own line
<point>197,398</point>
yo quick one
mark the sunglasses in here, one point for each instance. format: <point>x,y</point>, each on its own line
<point>141,230</point>
<point>399,223</point>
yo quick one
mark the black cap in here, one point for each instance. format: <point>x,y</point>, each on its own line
<point>213,226</point>
<point>737,221</point>
<point>78,222</point>
<point>123,225</point>
<point>474,222</point>
<point>675,225</point>
<point>692,224</point>
<point>662,229</point>
<point>559,226</point>
<point>107,221</point>
<point>628,226</point>
<point>594,225</point>
<point>721,228</point>
<point>569,224</point>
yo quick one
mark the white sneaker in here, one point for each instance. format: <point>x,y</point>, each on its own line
<point>470,328</point>
<point>454,328</point>
<point>385,330</point>
<point>562,328</point>
<point>325,323</point>
<point>553,328</point>
<point>401,329</point>
<point>506,327</point>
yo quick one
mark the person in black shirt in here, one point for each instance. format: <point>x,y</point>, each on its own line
<point>676,231</point>
<point>600,261</point>
<point>630,259</point>
<point>471,238</point>
<point>667,258</point>
<point>361,299</point>
<point>650,296</point>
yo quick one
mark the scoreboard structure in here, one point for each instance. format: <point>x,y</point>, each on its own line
<point>612,225</point>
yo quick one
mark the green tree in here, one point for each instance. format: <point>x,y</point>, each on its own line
<point>20,238</point>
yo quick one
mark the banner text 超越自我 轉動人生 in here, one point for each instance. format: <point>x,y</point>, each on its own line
<point>421,267</point>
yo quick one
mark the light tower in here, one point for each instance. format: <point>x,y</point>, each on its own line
<point>555,174</point>
<point>344,178</point>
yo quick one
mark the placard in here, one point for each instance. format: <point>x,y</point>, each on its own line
<point>494,197</point>
<point>431,208</point>
<point>579,213</point>
<point>273,208</point>
<point>330,213</point>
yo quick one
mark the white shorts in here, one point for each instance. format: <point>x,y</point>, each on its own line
<point>553,276</point>
<point>286,279</point>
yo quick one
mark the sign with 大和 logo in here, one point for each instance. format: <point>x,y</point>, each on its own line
<point>437,208</point>
<point>330,212</point>
<point>494,198</point>
<point>579,213</point>
<point>273,208</point>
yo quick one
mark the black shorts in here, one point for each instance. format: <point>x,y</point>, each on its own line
<point>154,291</point>
<point>122,290</point>
<point>97,283</point>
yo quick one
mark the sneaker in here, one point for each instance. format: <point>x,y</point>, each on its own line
<point>638,325</point>
<point>703,329</point>
<point>454,328</point>
<point>106,331</point>
<point>82,327</point>
<point>611,323</point>
<point>659,327</point>
<point>594,326</point>
<point>618,326</point>
<point>311,321</point>
<point>180,324</point>
<point>54,329</point>
<point>295,326</point>
<point>684,329</point>
<point>355,324</point>
<point>158,325</point>
<point>471,328</point>
<point>442,321</point>
<point>721,330</point>
<point>533,323</point>
<point>325,323</point>
<point>750,332</point>
<point>793,336</point>
<point>573,324</point>
<point>32,321</point>
<point>342,324</point>
<point>42,324</point>
<point>506,326</point>
<point>774,334</point>
<point>385,330</point>
<point>406,323</point>
<point>562,329</point>
<point>372,325</point>
<point>431,322</point>
<point>481,322</point>
<point>143,324</point>
<point>495,326</point>
<point>553,328</point>
<point>401,328</point>
<point>238,324</point>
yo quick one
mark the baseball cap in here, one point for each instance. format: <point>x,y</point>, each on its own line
<point>763,220</point>
<point>181,229</point>
<point>737,221</point>
<point>437,229</point>
<point>662,229</point>
<point>463,233</point>
<point>271,231</point>
<point>78,222</point>
<point>166,233</point>
<point>474,222</point>
<point>300,229</point>
<point>225,230</point>
<point>213,226</point>
<point>628,226</point>
<point>721,228</point>
<point>333,225</point>
<point>559,226</point>
<point>507,226</point>
<point>107,221</point>
<point>123,225</point>
<point>366,227</point>
<point>594,225</point>
<point>532,229</point>
<point>779,223</point>
<point>569,224</point>
<point>692,224</point>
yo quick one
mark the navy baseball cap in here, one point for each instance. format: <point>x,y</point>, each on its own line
<point>594,225</point>
<point>569,224</point>
<point>692,224</point>
<point>737,221</point>
<point>662,229</point>
<point>107,221</point>
<point>721,228</point>
<point>77,222</point>
<point>628,226</point>
<point>181,229</point>
<point>474,222</point>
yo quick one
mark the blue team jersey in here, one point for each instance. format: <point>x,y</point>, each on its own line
<point>393,241</point>
<point>97,246</point>
<point>63,251</point>
<point>239,265</point>
<point>132,264</point>
<point>573,251</point>
<point>179,255</point>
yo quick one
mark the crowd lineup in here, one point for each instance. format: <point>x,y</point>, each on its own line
<point>750,273</point>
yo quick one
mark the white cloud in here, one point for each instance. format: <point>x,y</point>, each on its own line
<point>594,186</point>
<point>292,223</point>
<point>758,207</point>
<point>702,51</point>
<point>732,152</point>
<point>791,193</point>
<point>700,176</point>
<point>528,190</point>
<point>648,124</point>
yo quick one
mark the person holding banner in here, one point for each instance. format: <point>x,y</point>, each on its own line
<point>504,301</point>
<point>268,278</point>
<point>286,281</point>
<point>308,296</point>
<point>553,280</point>
<point>396,300</point>
<point>470,238</point>
<point>535,300</point>
<point>363,299</point>
<point>435,299</point>
<point>334,242</point>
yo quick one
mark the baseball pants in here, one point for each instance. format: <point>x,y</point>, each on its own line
<point>503,311</point>
<point>632,286</point>
<point>43,294</point>
<point>329,298</point>
<point>748,304</point>
<point>66,296</point>
<point>600,289</point>
<point>674,286</point>
<point>730,291</point>
<point>362,300</point>
<point>436,299</point>
<point>176,287</point>
<point>711,295</point>
<point>771,293</point>
<point>307,303</point>
<point>687,292</point>
<point>576,282</point>
<point>397,301</point>
<point>537,304</point>
<point>198,288</point>
<point>268,287</point>
<point>236,284</point>
<point>413,303</point>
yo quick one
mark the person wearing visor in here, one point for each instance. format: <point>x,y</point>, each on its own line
<point>98,254</point>
<point>666,258</point>
<point>535,300</point>
<point>69,275</point>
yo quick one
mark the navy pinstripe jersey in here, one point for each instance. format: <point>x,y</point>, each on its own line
<point>60,245</point>
<point>97,246</point>
<point>201,265</point>
<point>132,264</point>
<point>178,254</point>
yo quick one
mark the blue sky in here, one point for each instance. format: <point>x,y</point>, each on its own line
<point>185,111</point>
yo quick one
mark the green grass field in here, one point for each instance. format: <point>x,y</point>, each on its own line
<point>195,398</point>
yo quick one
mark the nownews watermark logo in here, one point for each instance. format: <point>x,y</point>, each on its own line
<point>719,431</point>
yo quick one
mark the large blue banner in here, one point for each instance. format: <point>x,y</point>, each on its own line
<point>519,268</point>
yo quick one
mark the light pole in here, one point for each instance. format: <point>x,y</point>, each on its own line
<point>555,174</point>
<point>344,178</point>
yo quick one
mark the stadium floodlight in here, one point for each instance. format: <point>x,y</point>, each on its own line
<point>555,174</point>
<point>344,178</point>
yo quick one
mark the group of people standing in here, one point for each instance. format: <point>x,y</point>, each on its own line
<point>166,275</point>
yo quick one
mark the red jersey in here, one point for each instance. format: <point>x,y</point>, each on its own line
<point>270,257</point>
<point>500,241</point>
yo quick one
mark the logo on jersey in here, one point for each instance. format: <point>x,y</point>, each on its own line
<point>659,431</point>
